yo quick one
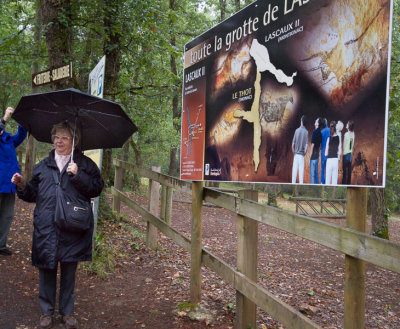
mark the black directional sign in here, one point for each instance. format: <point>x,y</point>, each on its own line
<point>51,75</point>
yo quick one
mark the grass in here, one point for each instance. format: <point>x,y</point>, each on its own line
<point>395,217</point>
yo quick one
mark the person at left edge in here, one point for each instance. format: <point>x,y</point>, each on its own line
<point>51,245</point>
<point>8,166</point>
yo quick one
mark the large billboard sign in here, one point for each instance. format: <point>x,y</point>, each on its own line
<point>258,86</point>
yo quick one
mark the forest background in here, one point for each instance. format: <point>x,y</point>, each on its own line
<point>143,42</point>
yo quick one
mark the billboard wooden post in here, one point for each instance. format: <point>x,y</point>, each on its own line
<point>116,204</point>
<point>354,286</point>
<point>154,208</point>
<point>196,243</point>
<point>247,259</point>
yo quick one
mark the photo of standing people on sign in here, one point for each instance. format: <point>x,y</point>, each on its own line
<point>290,92</point>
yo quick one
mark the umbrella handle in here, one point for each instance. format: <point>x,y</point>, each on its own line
<point>73,141</point>
<point>73,146</point>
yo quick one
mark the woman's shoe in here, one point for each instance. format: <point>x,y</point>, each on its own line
<point>46,321</point>
<point>70,321</point>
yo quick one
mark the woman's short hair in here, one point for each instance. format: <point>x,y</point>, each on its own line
<point>67,126</point>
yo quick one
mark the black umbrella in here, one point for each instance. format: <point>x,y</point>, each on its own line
<point>103,123</point>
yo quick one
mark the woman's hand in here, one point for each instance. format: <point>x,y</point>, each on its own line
<point>72,168</point>
<point>8,113</point>
<point>18,180</point>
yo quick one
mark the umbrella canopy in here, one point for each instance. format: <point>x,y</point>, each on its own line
<point>103,123</point>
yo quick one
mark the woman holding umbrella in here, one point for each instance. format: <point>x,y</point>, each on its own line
<point>78,178</point>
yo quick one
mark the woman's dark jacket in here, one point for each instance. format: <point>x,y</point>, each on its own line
<point>49,244</point>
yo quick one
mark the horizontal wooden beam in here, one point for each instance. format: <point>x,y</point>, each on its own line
<point>374,250</point>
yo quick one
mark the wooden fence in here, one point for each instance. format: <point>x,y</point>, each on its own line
<point>357,246</point>
<point>320,208</point>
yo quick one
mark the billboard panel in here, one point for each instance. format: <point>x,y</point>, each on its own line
<point>258,86</point>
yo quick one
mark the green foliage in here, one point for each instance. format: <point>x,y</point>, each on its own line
<point>382,232</point>
<point>103,258</point>
<point>104,212</point>
<point>311,292</point>
<point>393,154</point>
<point>186,306</point>
<point>230,307</point>
<point>15,51</point>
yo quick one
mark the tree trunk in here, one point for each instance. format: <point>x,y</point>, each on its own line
<point>138,159</point>
<point>173,160</point>
<point>379,214</point>
<point>30,145</point>
<point>334,192</point>
<point>58,35</point>
<point>222,4</point>
<point>29,157</point>
<point>295,190</point>
<point>135,148</point>
<point>112,50</point>
<point>106,166</point>
<point>272,195</point>
<point>237,5</point>
<point>125,157</point>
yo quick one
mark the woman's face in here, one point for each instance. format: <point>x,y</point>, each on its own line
<point>62,141</point>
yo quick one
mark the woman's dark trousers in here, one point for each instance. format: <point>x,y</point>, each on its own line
<point>48,286</point>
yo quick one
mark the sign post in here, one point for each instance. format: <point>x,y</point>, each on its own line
<point>355,269</point>
<point>95,88</point>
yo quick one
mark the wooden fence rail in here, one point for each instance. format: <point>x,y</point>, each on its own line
<point>355,245</point>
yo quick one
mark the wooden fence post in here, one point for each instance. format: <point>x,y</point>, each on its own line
<point>154,208</point>
<point>163,201</point>
<point>168,205</point>
<point>247,260</point>
<point>196,243</point>
<point>116,204</point>
<point>354,286</point>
